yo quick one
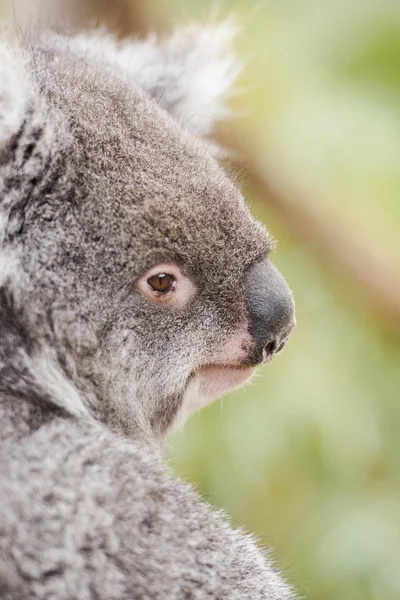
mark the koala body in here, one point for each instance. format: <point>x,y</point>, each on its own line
<point>134,288</point>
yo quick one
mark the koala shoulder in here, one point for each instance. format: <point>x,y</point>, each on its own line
<point>109,523</point>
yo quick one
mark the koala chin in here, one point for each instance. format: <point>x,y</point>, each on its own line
<point>135,287</point>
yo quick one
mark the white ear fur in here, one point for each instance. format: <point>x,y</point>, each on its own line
<point>13,94</point>
<point>189,73</point>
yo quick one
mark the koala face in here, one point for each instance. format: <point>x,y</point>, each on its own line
<point>136,248</point>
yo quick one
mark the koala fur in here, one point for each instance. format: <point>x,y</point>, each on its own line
<point>104,172</point>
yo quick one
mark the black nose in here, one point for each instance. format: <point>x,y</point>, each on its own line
<point>270,310</point>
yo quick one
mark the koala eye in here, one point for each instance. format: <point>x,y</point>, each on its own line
<point>166,284</point>
<point>162,282</point>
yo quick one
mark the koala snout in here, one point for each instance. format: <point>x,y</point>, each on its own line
<point>270,310</point>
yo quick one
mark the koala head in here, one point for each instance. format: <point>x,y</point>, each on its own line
<point>147,276</point>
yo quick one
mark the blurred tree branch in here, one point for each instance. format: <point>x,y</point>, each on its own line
<point>378,281</point>
<point>124,17</point>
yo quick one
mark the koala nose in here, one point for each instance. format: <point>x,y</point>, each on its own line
<point>270,309</point>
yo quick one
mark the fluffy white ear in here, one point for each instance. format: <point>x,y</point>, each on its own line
<point>190,73</point>
<point>13,94</point>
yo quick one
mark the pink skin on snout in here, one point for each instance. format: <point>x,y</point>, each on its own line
<point>226,372</point>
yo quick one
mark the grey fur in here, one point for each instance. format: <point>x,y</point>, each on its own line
<point>97,184</point>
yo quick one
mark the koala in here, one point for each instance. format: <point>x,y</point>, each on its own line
<point>135,287</point>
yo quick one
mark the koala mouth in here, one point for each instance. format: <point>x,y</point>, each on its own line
<point>209,383</point>
<point>215,380</point>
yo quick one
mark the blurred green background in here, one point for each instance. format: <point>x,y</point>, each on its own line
<point>308,455</point>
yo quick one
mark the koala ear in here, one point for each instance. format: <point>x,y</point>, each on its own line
<point>13,94</point>
<point>190,73</point>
